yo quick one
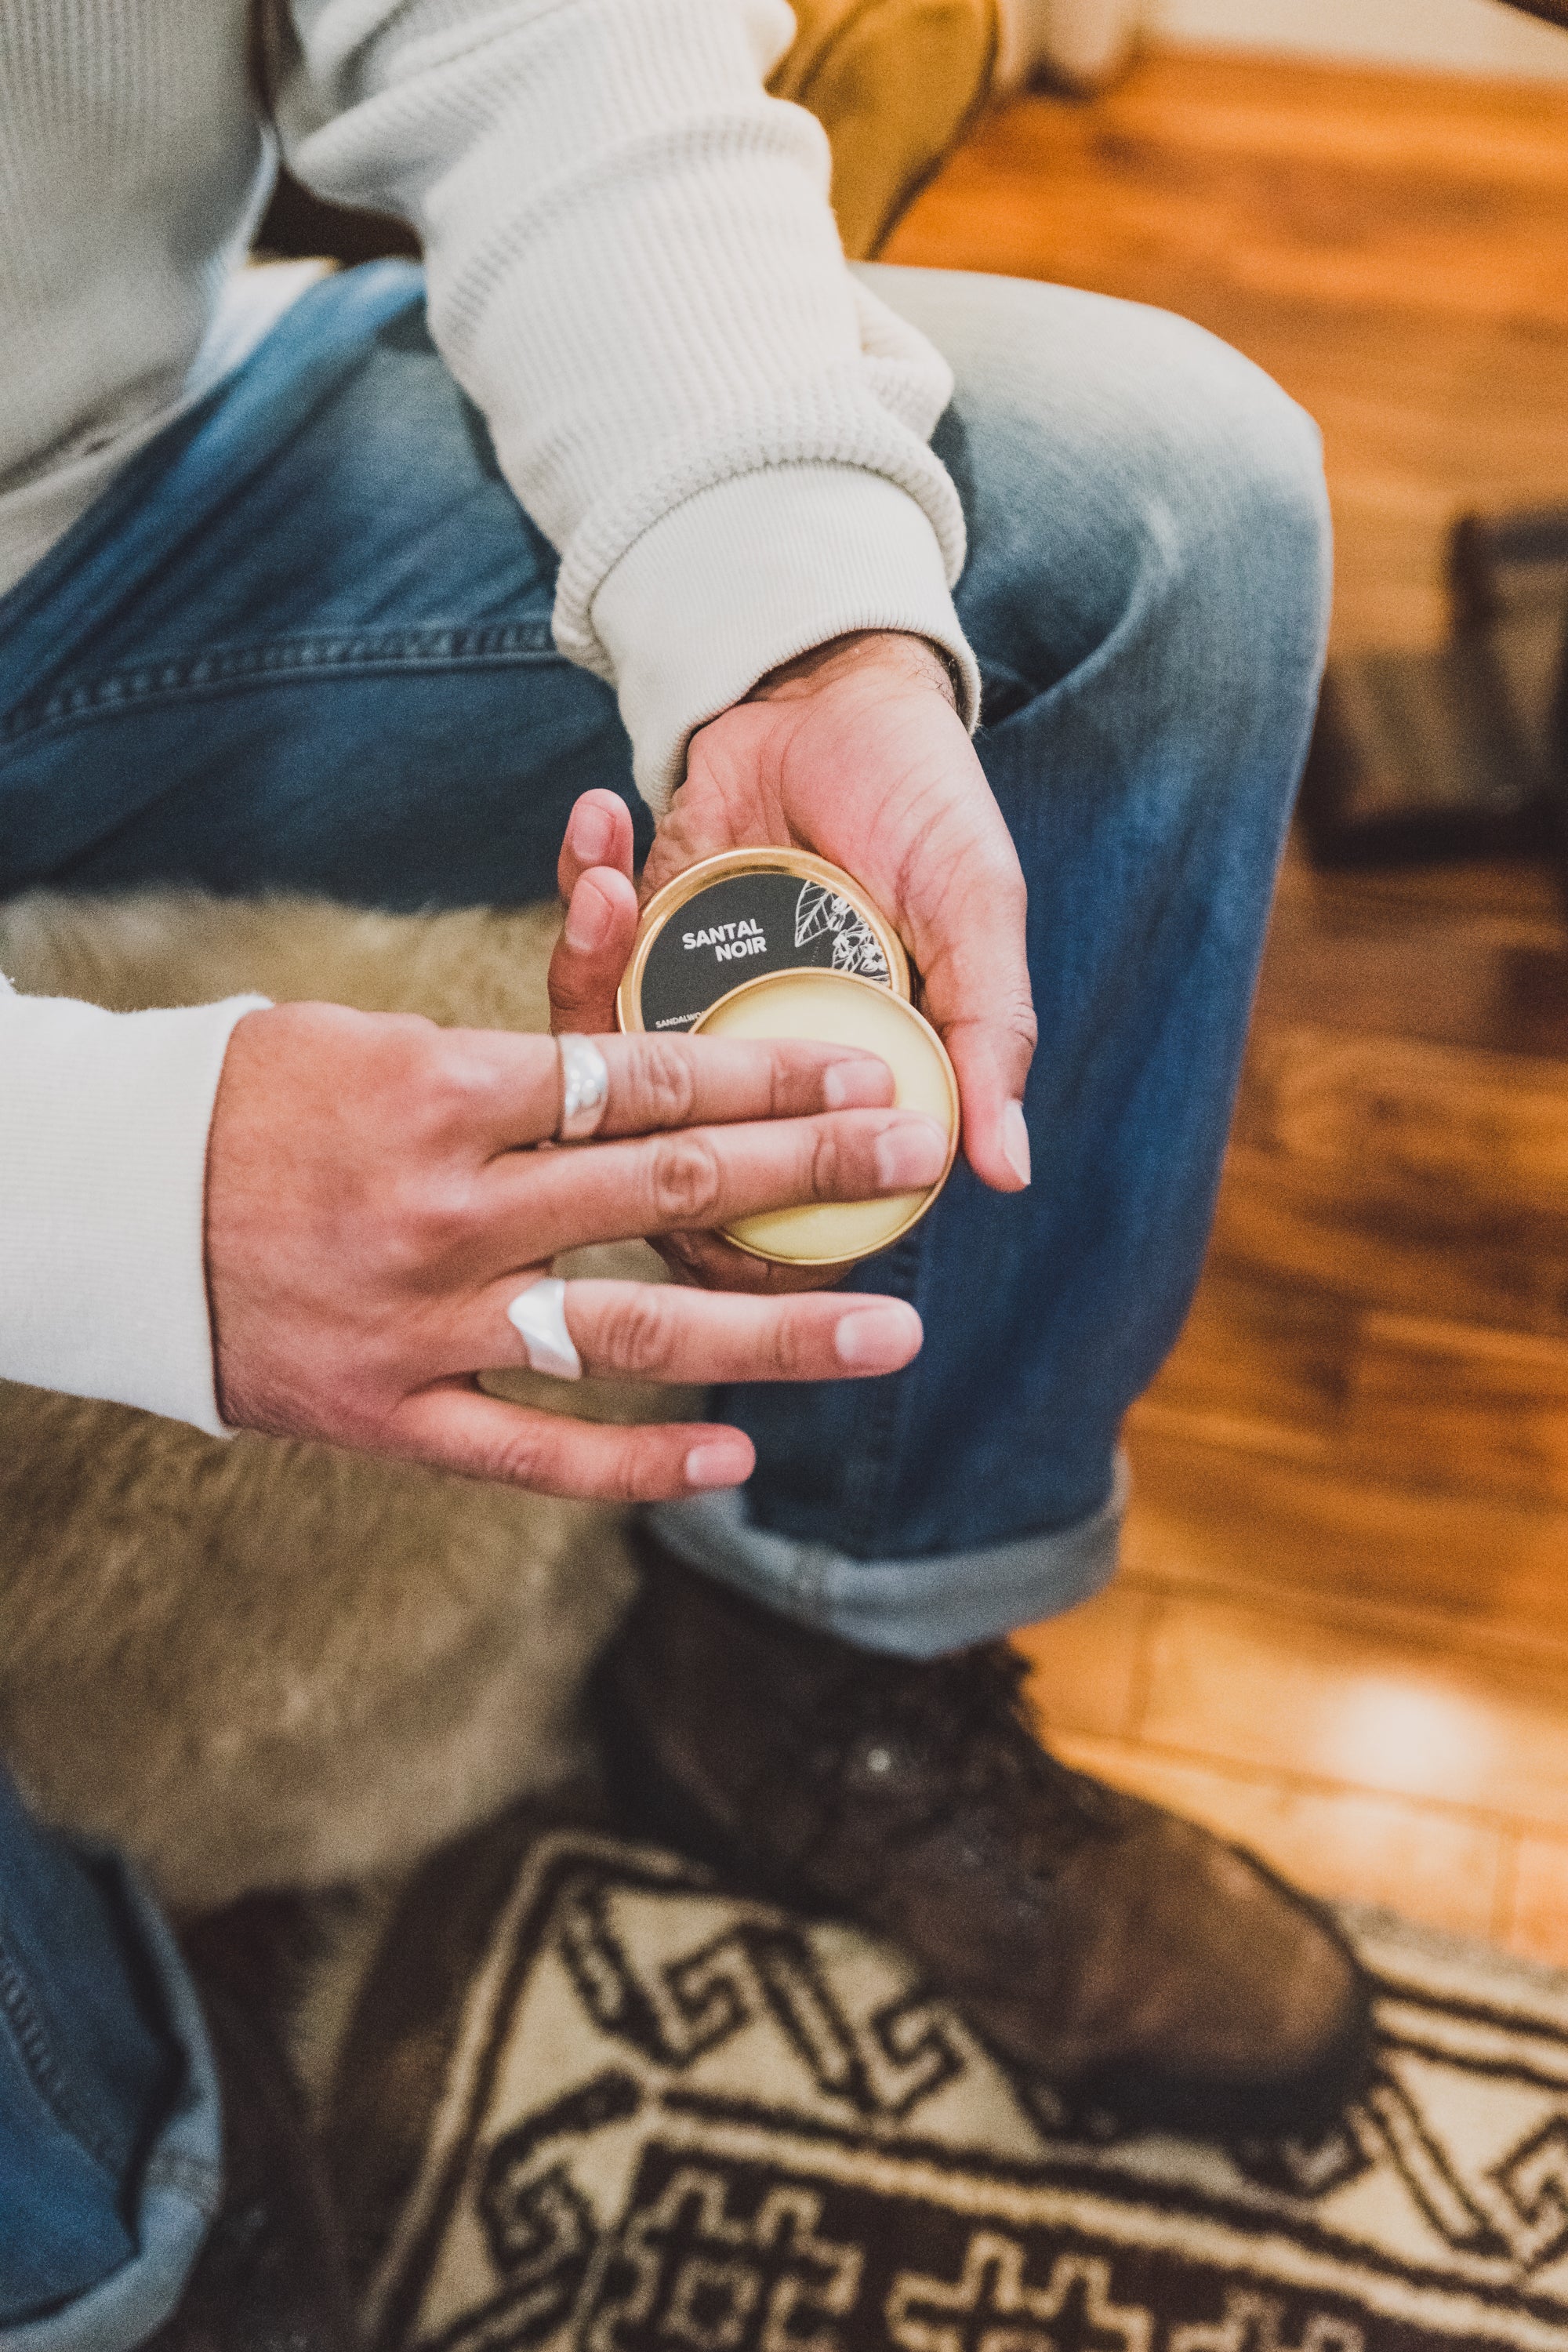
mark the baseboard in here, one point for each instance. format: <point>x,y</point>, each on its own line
<point>1478,36</point>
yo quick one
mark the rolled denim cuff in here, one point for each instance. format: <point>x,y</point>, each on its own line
<point>911,1608</point>
<point>179,2188</point>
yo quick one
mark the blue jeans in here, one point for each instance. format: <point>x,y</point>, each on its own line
<point>110,2128</point>
<point>303,642</point>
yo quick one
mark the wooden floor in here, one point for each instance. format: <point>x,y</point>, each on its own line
<point>1341,1632</point>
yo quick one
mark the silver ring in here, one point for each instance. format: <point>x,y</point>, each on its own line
<point>538,1313</point>
<point>585,1089</point>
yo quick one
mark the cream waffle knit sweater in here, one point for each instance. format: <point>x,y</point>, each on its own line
<point>632,269</point>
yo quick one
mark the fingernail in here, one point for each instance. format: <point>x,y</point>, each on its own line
<point>877,1339</point>
<point>1016,1141</point>
<point>914,1153</point>
<point>720,1463</point>
<point>854,1086</point>
<point>589,919</point>
<point>592,833</point>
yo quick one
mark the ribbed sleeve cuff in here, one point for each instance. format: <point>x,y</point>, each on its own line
<point>104,1139</point>
<point>748,574</point>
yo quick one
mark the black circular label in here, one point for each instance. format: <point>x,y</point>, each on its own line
<point>747,924</point>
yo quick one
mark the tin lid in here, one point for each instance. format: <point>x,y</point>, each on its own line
<point>842,1010</point>
<point>743,913</point>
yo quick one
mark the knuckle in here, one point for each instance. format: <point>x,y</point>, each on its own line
<point>1023,1026</point>
<point>668,1082</point>
<point>459,1084</point>
<point>826,1170</point>
<point>635,1472</point>
<point>1006,874</point>
<point>567,985</point>
<point>790,1080</point>
<point>519,1459</point>
<point>443,1084</point>
<point>410,1047</point>
<point>687,1183</point>
<point>996,883</point>
<point>428,1217</point>
<point>786,1351</point>
<point>638,1333</point>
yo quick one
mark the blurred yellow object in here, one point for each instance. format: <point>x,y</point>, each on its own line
<point>894,83</point>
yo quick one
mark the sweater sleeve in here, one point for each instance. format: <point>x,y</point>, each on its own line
<point>103,1137</point>
<point>633,272</point>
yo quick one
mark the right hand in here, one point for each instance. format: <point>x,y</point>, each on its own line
<point>375,1201</point>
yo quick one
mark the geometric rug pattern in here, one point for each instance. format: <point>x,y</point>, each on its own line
<point>595,2102</point>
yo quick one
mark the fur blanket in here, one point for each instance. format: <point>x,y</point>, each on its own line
<point>262,1664</point>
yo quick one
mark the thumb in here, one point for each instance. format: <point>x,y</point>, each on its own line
<point>591,953</point>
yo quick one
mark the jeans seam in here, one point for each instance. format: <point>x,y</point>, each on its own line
<point>31,2042</point>
<point>340,653</point>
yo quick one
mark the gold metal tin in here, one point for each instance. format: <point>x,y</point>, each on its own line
<point>732,866</point>
<point>769,981</point>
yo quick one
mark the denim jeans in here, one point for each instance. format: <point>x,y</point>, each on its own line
<point>110,2127</point>
<point>303,642</point>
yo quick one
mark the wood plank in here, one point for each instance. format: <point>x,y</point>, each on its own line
<point>1402,1174</point>
<point>1489,979</point>
<point>1444,1868</point>
<point>1431,1117</point>
<point>1381,1236</point>
<point>1222,1520</point>
<point>1449,1407</point>
<point>1535,1912</point>
<point>1195,171</point>
<point>1410,900</point>
<point>1087,1665</point>
<point>1482,1726</point>
<point>1265,1367</point>
<point>1408,1400</point>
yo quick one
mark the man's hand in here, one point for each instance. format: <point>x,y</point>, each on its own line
<point>374,1204</point>
<point>856,752</point>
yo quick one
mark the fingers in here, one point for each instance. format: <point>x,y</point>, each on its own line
<point>650,1331</point>
<point>598,833</point>
<point>991,1065</point>
<point>455,1426</point>
<point>971,945</point>
<point>703,1177</point>
<point>592,950</point>
<point>712,1263</point>
<point>657,1083</point>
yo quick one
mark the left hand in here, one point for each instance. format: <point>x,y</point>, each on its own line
<point>856,752</point>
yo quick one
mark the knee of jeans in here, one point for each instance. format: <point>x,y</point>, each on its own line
<point>1116,462</point>
<point>1245,513</point>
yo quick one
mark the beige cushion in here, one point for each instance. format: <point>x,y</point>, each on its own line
<point>894,83</point>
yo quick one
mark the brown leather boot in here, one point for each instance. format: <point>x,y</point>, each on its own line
<point>1137,1962</point>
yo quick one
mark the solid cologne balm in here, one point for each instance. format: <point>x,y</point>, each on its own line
<point>746,912</point>
<point>840,1009</point>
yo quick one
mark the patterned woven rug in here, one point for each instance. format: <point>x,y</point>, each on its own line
<point>591,2099</point>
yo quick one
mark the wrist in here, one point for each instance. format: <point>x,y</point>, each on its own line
<point>894,655</point>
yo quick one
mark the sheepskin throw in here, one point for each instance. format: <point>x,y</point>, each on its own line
<point>260,1662</point>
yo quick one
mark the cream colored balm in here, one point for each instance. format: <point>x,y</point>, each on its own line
<point>837,1009</point>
